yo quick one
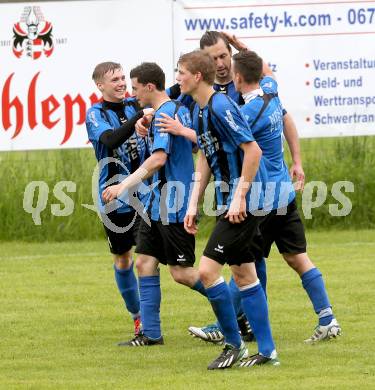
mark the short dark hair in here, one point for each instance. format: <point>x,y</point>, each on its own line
<point>249,65</point>
<point>103,68</point>
<point>199,61</point>
<point>149,72</point>
<point>210,38</point>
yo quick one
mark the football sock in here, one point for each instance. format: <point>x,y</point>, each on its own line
<point>261,268</point>
<point>128,287</point>
<point>149,288</point>
<point>312,282</point>
<point>198,286</point>
<point>254,304</point>
<point>221,302</point>
<point>235,296</point>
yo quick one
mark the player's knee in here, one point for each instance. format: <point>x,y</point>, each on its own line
<point>141,265</point>
<point>146,266</point>
<point>299,262</point>
<point>206,276</point>
<point>179,278</point>
<point>124,261</point>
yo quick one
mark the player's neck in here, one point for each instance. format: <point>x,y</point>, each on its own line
<point>159,98</point>
<point>203,94</point>
<point>247,88</point>
<point>224,81</point>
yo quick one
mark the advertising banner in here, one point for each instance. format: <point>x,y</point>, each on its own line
<point>48,52</point>
<point>321,52</point>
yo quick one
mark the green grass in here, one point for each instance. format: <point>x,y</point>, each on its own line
<point>61,317</point>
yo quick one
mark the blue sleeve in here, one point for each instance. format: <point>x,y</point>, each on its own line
<point>268,84</point>
<point>96,125</point>
<point>184,117</point>
<point>232,125</point>
<point>162,141</point>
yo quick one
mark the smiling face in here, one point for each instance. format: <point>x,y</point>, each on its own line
<point>113,86</point>
<point>222,57</point>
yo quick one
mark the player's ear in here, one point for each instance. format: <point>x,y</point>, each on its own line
<point>100,86</point>
<point>198,76</point>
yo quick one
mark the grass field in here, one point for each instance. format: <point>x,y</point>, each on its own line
<point>61,317</point>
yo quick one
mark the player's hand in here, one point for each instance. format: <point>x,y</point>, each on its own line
<point>110,193</point>
<point>298,177</point>
<point>237,210</point>
<point>141,126</point>
<point>235,42</point>
<point>190,221</point>
<point>167,124</point>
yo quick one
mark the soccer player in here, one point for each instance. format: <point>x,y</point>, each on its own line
<point>110,128</point>
<point>164,240</point>
<point>218,45</point>
<point>264,112</point>
<point>283,225</point>
<point>229,151</point>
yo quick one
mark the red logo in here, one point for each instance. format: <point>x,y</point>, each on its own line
<point>32,34</point>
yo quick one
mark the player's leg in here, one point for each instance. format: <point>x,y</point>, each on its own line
<point>149,286</point>
<point>313,283</point>
<point>212,332</point>
<point>254,304</point>
<point>219,297</point>
<point>120,244</point>
<point>291,243</point>
<point>128,286</point>
<point>179,249</point>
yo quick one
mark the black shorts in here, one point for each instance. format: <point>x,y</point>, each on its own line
<point>286,231</point>
<point>121,242</point>
<point>170,244</point>
<point>235,243</point>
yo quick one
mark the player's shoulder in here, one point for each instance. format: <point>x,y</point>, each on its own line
<point>268,84</point>
<point>96,107</point>
<point>220,103</point>
<point>221,99</point>
<point>93,114</point>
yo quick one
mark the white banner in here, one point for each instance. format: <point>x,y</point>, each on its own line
<point>322,53</point>
<point>48,52</point>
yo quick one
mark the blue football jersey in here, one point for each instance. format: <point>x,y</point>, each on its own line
<point>171,184</point>
<point>227,89</point>
<point>129,156</point>
<point>220,129</point>
<point>264,114</point>
<point>230,90</point>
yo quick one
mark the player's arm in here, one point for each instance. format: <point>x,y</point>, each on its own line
<point>291,136</point>
<point>250,165</point>
<point>152,164</point>
<point>175,127</point>
<point>201,179</point>
<point>115,138</point>
<point>240,46</point>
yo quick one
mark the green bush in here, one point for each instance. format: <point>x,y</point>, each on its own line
<point>326,159</point>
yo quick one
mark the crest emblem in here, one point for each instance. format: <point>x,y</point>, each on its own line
<point>32,34</point>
